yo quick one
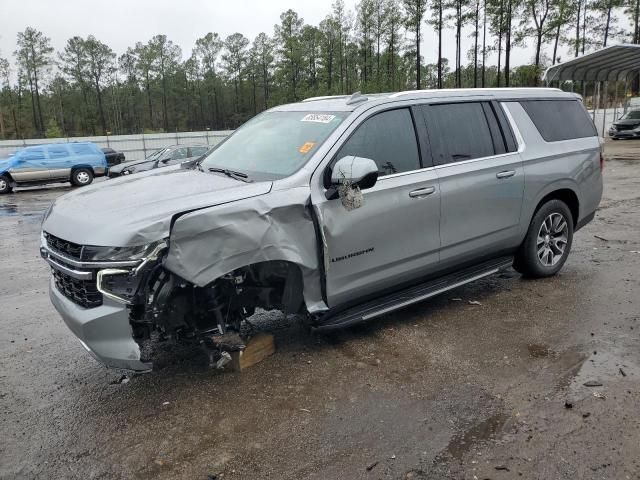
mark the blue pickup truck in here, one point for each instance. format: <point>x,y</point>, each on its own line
<point>77,162</point>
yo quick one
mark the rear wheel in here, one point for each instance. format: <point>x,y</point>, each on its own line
<point>548,241</point>
<point>82,177</point>
<point>5,185</point>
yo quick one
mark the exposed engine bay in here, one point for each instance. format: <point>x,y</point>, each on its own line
<point>213,316</point>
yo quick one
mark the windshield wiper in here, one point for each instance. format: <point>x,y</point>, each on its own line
<point>243,177</point>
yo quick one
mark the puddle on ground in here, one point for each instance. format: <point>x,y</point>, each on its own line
<point>8,210</point>
<point>461,444</point>
<point>539,351</point>
<point>12,210</point>
<point>605,365</point>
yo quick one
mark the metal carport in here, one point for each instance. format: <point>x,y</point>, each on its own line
<point>611,64</point>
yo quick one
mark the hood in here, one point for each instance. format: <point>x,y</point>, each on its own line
<point>133,163</point>
<point>137,209</point>
<point>628,121</point>
<point>7,163</point>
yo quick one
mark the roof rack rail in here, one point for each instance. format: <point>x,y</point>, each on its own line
<point>480,90</point>
<point>357,97</point>
<point>325,97</point>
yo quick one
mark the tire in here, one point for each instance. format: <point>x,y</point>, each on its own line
<point>548,241</point>
<point>81,177</point>
<point>5,185</point>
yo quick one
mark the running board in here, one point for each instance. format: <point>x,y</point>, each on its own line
<point>394,301</point>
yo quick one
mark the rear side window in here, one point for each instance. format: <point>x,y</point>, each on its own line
<point>57,151</point>
<point>463,131</point>
<point>387,138</point>
<point>559,119</point>
<point>82,149</point>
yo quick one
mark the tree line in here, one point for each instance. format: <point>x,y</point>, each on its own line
<point>86,89</point>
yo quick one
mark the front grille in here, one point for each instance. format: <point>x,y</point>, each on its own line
<point>625,127</point>
<point>64,247</point>
<point>83,292</point>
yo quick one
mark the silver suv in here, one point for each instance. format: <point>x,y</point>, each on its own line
<point>343,208</point>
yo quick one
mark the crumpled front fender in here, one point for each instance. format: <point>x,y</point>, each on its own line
<point>211,242</point>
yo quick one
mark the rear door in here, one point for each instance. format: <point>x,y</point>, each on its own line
<point>394,236</point>
<point>60,161</point>
<point>481,179</point>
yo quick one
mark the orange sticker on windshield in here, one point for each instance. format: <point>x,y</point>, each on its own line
<point>306,148</point>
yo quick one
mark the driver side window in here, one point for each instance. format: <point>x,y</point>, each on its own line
<point>389,139</point>
<point>179,154</point>
<point>33,154</point>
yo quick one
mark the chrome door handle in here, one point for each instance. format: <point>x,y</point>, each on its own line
<point>506,174</point>
<point>422,192</point>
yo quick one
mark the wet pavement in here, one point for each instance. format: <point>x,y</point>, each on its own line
<point>443,389</point>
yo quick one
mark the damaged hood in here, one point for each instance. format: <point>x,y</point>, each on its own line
<point>137,209</point>
<point>7,163</point>
<point>132,163</point>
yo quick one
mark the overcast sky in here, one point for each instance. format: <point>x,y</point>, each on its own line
<point>121,23</point>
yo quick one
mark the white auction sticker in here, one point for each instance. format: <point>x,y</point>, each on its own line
<point>318,117</point>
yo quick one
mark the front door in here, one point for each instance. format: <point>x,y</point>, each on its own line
<point>31,165</point>
<point>394,235</point>
<point>481,180</point>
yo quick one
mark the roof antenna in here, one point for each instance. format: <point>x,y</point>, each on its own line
<point>357,97</point>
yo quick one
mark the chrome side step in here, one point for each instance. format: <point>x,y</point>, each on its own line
<point>394,301</point>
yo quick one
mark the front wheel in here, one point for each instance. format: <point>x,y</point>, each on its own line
<point>5,185</point>
<point>82,177</point>
<point>548,241</point>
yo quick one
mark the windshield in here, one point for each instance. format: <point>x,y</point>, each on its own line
<point>274,144</point>
<point>632,115</point>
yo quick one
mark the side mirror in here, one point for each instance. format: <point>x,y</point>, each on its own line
<point>355,170</point>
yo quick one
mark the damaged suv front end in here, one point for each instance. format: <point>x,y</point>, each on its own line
<point>187,254</point>
<point>91,288</point>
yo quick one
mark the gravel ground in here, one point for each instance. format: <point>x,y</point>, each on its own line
<point>443,389</point>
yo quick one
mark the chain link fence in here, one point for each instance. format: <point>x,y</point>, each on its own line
<point>134,147</point>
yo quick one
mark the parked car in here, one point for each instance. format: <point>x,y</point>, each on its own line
<point>341,208</point>
<point>627,126</point>
<point>160,158</point>
<point>113,157</point>
<point>77,162</point>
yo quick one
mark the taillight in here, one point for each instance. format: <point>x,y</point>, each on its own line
<point>601,160</point>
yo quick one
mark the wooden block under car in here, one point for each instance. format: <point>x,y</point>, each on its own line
<point>258,348</point>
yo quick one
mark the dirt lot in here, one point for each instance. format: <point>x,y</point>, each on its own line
<point>444,389</point>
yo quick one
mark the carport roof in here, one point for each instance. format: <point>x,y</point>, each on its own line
<point>609,64</point>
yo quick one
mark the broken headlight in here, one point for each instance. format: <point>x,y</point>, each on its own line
<point>119,254</point>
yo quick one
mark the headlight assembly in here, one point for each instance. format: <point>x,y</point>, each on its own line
<point>118,254</point>
<point>118,284</point>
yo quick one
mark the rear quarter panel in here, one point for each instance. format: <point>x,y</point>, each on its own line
<point>93,158</point>
<point>550,166</point>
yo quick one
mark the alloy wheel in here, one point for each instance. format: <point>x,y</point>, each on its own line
<point>552,239</point>
<point>82,177</point>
